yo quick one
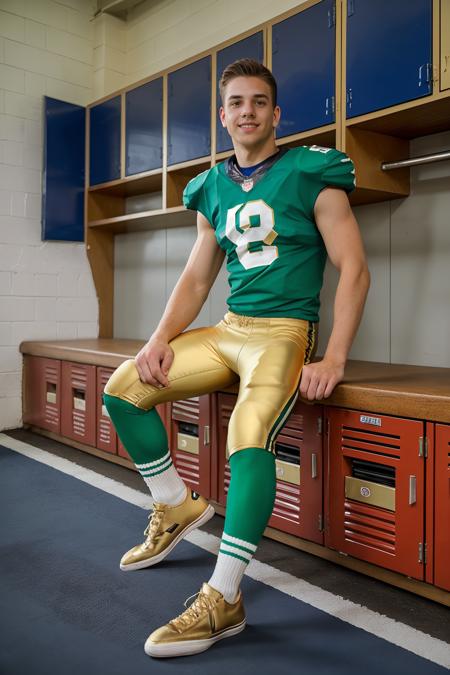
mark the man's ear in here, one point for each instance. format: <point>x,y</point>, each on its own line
<point>222,116</point>
<point>276,116</point>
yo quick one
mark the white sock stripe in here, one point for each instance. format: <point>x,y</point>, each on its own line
<point>157,469</point>
<point>150,464</point>
<point>233,540</point>
<point>238,551</point>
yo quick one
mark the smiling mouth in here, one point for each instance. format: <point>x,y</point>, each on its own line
<point>247,125</point>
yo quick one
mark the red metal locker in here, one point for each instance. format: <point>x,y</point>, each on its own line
<point>190,442</point>
<point>42,393</point>
<point>375,489</point>
<point>106,434</point>
<point>78,402</point>
<point>162,410</point>
<point>442,507</point>
<point>298,501</point>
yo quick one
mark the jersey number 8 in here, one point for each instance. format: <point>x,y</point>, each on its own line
<point>252,223</point>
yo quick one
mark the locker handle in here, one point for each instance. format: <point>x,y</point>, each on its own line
<point>412,490</point>
<point>206,435</point>
<point>314,465</point>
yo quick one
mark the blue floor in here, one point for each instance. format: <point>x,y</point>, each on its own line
<point>67,608</point>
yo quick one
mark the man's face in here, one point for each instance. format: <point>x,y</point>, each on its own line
<point>248,112</point>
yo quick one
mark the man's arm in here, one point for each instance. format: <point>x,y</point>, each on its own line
<point>340,232</point>
<point>186,300</point>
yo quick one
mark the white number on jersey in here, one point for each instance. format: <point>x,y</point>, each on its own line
<point>319,148</point>
<point>263,233</point>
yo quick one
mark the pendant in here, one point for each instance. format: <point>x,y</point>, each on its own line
<point>247,185</point>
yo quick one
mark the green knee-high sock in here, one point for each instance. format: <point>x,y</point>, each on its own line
<point>250,501</point>
<point>144,436</point>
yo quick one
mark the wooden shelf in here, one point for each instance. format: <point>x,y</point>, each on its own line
<point>194,166</point>
<point>177,216</point>
<point>416,118</point>
<point>150,181</point>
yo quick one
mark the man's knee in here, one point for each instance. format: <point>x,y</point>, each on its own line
<point>122,379</point>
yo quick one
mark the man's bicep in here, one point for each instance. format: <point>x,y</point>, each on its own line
<point>206,257</point>
<point>339,228</point>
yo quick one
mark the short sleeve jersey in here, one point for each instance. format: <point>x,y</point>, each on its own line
<point>275,252</point>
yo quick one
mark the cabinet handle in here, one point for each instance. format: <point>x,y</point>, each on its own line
<point>349,98</point>
<point>427,75</point>
<point>314,465</point>
<point>206,435</point>
<point>412,490</point>
<point>446,57</point>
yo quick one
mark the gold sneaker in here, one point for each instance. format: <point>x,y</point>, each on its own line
<point>208,619</point>
<point>167,526</point>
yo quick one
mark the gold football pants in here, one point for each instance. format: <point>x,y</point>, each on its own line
<point>265,354</point>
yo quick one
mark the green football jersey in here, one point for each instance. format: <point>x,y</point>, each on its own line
<point>275,252</point>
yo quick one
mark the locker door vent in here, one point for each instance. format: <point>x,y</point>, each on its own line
<point>287,463</point>
<point>185,451</point>
<point>287,502</point>
<point>188,428</point>
<point>287,453</point>
<point>370,505</point>
<point>371,471</point>
<point>187,410</point>
<point>187,466</point>
<point>51,403</point>
<point>370,441</point>
<point>287,496</point>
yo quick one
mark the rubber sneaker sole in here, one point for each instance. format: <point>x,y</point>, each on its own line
<point>206,515</point>
<point>189,647</point>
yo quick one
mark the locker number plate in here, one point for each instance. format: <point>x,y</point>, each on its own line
<point>365,419</point>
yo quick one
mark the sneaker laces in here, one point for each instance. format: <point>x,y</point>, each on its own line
<point>155,519</point>
<point>201,604</point>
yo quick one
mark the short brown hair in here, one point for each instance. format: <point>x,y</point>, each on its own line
<point>247,68</point>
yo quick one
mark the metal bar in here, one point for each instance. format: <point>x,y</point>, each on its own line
<point>314,465</point>
<point>414,161</point>
<point>412,490</point>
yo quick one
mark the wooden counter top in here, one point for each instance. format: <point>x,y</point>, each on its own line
<point>419,392</point>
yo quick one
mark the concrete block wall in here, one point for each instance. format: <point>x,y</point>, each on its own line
<point>110,61</point>
<point>46,288</point>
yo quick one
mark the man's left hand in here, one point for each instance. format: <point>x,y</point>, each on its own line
<point>319,379</point>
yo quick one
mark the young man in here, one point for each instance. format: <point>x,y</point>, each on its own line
<point>275,213</point>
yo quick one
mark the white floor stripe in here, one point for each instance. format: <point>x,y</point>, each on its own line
<point>377,624</point>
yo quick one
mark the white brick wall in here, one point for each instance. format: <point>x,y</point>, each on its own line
<point>46,288</point>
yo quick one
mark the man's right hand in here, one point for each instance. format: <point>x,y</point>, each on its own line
<point>153,362</point>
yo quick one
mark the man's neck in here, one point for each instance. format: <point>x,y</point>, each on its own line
<point>251,156</point>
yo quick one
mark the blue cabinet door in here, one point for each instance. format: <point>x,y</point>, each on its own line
<point>63,171</point>
<point>189,112</point>
<point>303,64</point>
<point>249,48</point>
<point>144,127</point>
<point>104,158</point>
<point>388,53</point>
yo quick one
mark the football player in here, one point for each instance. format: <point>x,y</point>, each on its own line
<point>274,213</point>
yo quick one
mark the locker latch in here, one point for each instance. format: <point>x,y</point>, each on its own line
<point>206,435</point>
<point>329,105</point>
<point>332,16</point>
<point>423,553</point>
<point>428,68</point>
<point>423,446</point>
